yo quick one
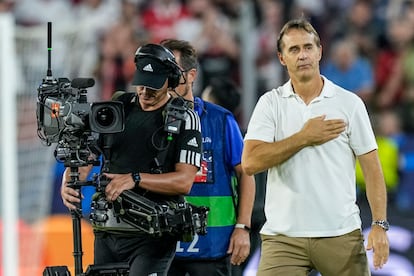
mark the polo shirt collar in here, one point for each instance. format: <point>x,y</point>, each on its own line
<point>198,105</point>
<point>327,89</point>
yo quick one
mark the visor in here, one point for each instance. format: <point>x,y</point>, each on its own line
<point>150,72</point>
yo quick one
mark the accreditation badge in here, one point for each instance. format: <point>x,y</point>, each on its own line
<point>205,173</point>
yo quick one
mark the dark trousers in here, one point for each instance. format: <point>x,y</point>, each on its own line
<point>220,267</point>
<point>145,255</point>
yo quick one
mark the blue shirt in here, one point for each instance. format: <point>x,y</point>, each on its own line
<point>234,145</point>
<point>359,76</point>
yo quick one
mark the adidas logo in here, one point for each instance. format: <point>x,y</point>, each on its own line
<point>148,68</point>
<point>193,142</point>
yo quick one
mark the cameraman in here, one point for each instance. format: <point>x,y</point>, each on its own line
<point>133,165</point>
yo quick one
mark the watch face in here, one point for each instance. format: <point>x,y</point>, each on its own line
<point>382,223</point>
<point>136,177</point>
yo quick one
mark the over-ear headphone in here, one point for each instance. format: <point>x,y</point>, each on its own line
<point>165,56</point>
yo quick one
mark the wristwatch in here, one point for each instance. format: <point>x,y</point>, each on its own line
<point>137,179</point>
<point>382,223</point>
<point>242,226</point>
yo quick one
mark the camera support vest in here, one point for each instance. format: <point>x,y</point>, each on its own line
<point>215,187</point>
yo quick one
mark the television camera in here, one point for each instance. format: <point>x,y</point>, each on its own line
<point>67,119</point>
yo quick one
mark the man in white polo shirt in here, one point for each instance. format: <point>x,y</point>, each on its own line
<point>307,134</point>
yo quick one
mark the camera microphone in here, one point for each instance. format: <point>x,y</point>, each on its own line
<point>82,82</point>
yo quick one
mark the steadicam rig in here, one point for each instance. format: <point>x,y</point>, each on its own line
<point>179,219</point>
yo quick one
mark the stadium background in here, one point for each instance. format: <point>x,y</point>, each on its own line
<point>36,229</point>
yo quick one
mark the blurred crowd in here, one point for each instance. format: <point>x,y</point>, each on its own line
<point>368,48</point>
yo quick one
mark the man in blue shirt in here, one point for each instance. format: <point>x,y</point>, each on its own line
<point>220,183</point>
<point>348,69</point>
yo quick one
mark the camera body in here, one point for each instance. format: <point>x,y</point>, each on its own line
<point>63,110</point>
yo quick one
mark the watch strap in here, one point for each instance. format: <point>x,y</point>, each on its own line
<point>381,223</point>
<point>242,226</point>
<point>137,179</point>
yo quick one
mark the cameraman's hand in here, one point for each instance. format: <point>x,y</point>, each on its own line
<point>71,198</point>
<point>117,184</point>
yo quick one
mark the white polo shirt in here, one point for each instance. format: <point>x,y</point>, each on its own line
<point>312,194</point>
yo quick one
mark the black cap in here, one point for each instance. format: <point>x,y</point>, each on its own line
<point>151,72</point>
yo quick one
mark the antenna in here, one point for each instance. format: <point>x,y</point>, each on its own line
<point>49,51</point>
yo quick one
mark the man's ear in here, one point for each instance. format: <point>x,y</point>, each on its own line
<point>320,53</point>
<point>280,56</point>
<point>192,75</point>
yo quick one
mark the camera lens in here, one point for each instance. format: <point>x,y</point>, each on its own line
<point>105,116</point>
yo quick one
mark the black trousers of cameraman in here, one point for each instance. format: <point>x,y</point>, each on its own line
<point>146,255</point>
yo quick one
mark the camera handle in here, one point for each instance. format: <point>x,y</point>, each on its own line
<point>76,221</point>
<point>76,214</point>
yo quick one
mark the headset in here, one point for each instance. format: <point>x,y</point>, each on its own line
<point>164,55</point>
